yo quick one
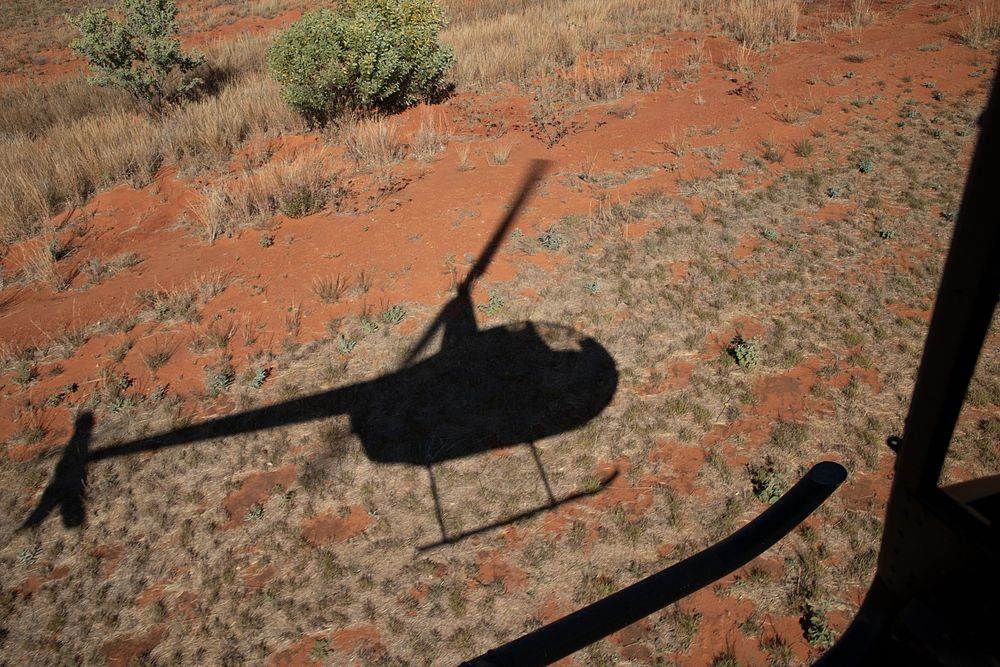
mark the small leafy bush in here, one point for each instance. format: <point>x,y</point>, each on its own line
<point>138,53</point>
<point>768,484</point>
<point>551,240</point>
<point>493,306</point>
<point>744,351</point>
<point>817,629</point>
<point>393,314</point>
<point>255,513</point>
<point>367,55</point>
<point>346,345</point>
<point>219,378</point>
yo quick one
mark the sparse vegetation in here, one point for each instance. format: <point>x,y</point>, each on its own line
<point>331,253</point>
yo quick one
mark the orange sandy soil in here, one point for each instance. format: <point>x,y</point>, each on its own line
<point>403,239</point>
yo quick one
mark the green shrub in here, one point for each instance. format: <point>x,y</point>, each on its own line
<point>768,483</point>
<point>817,629</point>
<point>367,55</point>
<point>138,53</point>
<point>744,352</point>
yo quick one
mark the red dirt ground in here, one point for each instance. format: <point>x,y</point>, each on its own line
<point>443,212</point>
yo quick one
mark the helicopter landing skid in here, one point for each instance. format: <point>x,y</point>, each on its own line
<point>552,504</point>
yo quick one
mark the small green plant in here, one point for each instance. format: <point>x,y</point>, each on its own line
<point>345,345</point>
<point>266,240</point>
<point>887,234</point>
<point>258,376</point>
<point>803,147</point>
<point>119,351</point>
<point>866,166</point>
<point>393,314</point>
<point>772,151</point>
<point>551,240</point>
<point>320,650</point>
<point>138,53</point>
<point>27,557</point>
<point>25,373</point>
<point>770,235</point>
<point>768,484</point>
<point>367,55</point>
<point>156,358</point>
<point>368,325</point>
<point>255,513</point>
<point>591,287</point>
<point>219,378</point>
<point>493,306</point>
<point>744,352</point>
<point>304,199</point>
<point>817,628</point>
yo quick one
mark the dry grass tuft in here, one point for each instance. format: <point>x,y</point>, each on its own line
<point>204,134</point>
<point>500,153</point>
<point>298,187</point>
<point>465,159</point>
<point>605,81</point>
<point>859,15</point>
<point>330,289</point>
<point>430,139</point>
<point>40,176</point>
<point>521,41</point>
<point>689,68</point>
<point>761,23</point>
<point>982,27</point>
<point>862,13</point>
<point>373,143</point>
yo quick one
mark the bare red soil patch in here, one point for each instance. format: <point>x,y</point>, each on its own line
<point>254,490</point>
<point>329,527</point>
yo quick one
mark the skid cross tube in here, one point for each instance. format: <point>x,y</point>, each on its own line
<point>586,626</point>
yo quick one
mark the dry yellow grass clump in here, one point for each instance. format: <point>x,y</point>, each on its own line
<point>296,187</point>
<point>761,23</point>
<point>63,140</point>
<point>521,41</point>
<point>982,27</point>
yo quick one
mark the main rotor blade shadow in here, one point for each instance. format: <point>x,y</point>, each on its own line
<point>460,308</point>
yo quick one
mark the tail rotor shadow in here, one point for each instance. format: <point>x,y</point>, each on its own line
<point>69,480</point>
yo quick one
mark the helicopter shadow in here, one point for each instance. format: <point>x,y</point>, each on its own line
<point>482,390</point>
